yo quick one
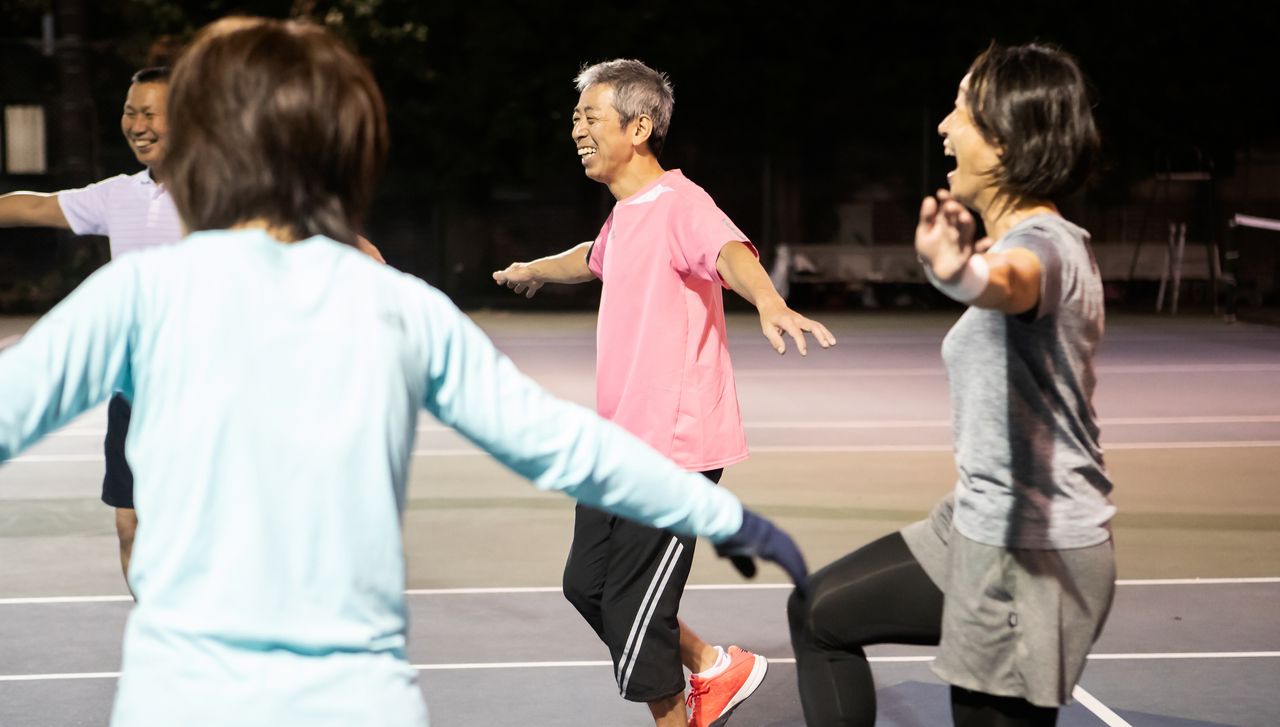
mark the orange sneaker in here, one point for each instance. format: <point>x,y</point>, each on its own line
<point>711,701</point>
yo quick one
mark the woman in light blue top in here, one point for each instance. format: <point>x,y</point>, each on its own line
<point>270,576</point>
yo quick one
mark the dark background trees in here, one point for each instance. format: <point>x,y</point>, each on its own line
<point>785,111</point>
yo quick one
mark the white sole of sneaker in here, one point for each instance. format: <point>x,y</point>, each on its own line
<point>748,688</point>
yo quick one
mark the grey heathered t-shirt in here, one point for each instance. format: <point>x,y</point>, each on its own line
<point>1030,466</point>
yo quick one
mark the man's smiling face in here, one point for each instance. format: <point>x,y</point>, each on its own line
<point>144,123</point>
<point>604,145</point>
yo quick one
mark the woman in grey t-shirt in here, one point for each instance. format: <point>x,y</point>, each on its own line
<point>1013,574</point>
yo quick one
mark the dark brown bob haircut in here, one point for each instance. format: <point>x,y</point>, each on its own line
<point>1031,102</point>
<point>274,121</point>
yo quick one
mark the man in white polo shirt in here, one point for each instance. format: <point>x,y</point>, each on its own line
<point>135,212</point>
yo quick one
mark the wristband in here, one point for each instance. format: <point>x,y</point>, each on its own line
<point>968,285</point>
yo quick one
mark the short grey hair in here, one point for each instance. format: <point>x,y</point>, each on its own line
<point>638,90</point>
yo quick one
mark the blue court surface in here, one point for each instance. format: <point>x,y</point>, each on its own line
<point>847,444</point>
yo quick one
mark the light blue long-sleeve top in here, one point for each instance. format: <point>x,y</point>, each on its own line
<point>275,392</point>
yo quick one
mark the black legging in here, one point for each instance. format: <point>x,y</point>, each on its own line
<point>878,594</point>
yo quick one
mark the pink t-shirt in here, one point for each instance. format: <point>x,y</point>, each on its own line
<point>662,354</point>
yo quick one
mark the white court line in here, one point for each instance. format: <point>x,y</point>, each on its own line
<point>918,448</point>
<point>1221,444</point>
<point>557,589</point>
<point>903,448</point>
<point>778,586</point>
<point>813,373</point>
<point>570,664</point>
<point>764,449</point>
<point>872,423</point>
<point>1185,655</point>
<point>45,600</point>
<point>52,677</point>
<point>481,591</point>
<point>54,458</point>
<point>816,373</point>
<point>1188,368</point>
<point>780,449</point>
<point>914,659</point>
<point>1230,419</point>
<point>922,423</point>
<point>1194,581</point>
<point>48,600</point>
<point>510,665</point>
<point>1100,710</point>
<point>518,590</point>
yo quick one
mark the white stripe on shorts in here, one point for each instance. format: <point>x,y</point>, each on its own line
<point>645,613</point>
<point>635,625</point>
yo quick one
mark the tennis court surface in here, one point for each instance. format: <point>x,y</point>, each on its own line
<point>847,444</point>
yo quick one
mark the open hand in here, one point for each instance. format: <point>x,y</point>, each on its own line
<point>777,319</point>
<point>519,277</point>
<point>944,235</point>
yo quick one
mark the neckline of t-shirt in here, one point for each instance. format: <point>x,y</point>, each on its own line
<point>144,180</point>
<point>1040,216</point>
<point>650,186</point>
<point>258,235</point>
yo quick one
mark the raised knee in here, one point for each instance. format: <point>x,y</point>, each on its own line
<point>799,612</point>
<point>577,595</point>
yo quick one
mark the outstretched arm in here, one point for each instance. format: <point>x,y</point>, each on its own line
<point>562,446</point>
<point>70,361</point>
<point>31,209</point>
<point>569,266</point>
<point>743,272</point>
<point>556,444</point>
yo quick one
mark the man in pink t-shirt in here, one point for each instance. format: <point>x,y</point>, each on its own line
<point>663,373</point>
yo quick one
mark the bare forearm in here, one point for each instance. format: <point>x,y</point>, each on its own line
<point>569,266</point>
<point>31,209</point>
<point>1014,283</point>
<point>738,266</point>
<point>744,274</point>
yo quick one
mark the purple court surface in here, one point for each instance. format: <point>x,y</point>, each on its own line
<point>847,444</point>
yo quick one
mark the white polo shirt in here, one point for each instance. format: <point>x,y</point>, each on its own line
<point>131,209</point>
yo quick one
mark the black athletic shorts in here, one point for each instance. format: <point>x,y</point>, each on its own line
<point>117,484</point>
<point>626,580</point>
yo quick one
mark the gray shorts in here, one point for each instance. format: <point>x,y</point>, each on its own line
<point>1015,622</point>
